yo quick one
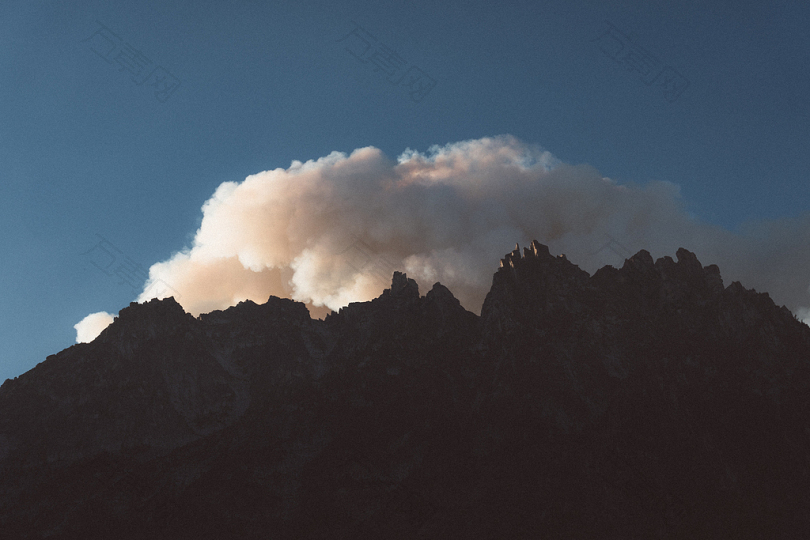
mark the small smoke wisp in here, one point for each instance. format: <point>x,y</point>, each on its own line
<point>91,326</point>
<point>331,231</point>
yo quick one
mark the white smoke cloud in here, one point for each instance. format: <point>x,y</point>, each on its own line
<point>91,326</point>
<point>332,231</point>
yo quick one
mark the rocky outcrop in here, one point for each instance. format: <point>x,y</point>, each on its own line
<point>646,401</point>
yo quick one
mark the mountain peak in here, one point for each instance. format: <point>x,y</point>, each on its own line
<point>161,308</point>
<point>402,287</point>
<point>151,317</point>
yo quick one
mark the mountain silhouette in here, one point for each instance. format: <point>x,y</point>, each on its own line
<point>648,401</point>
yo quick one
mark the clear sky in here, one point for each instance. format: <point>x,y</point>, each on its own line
<point>119,120</point>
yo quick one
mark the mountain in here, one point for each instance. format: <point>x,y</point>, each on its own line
<point>649,401</point>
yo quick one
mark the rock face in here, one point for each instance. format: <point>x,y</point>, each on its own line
<point>648,401</point>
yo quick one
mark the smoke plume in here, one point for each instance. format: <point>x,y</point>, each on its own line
<point>332,231</point>
<point>91,326</point>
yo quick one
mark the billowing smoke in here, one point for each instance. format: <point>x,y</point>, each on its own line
<point>91,326</point>
<point>332,231</point>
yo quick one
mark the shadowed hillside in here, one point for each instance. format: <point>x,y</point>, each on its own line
<point>643,402</point>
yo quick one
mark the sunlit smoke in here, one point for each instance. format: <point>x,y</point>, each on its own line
<point>91,326</point>
<point>331,231</point>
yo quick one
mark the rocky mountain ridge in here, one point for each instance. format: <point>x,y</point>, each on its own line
<point>647,401</point>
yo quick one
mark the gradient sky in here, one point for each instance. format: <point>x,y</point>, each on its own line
<point>90,148</point>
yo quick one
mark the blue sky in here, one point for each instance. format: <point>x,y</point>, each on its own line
<point>118,121</point>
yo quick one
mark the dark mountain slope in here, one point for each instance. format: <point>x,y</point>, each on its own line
<point>641,402</point>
